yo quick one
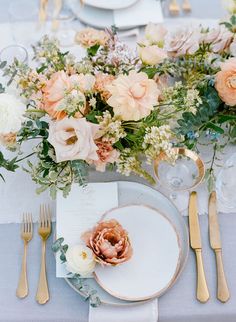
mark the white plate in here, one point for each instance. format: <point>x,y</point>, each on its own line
<point>156,255</point>
<point>95,17</point>
<point>110,4</point>
<point>136,193</point>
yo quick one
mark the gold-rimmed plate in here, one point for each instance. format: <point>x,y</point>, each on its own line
<point>136,193</point>
<point>155,260</point>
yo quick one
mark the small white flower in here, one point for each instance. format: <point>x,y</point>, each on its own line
<point>92,102</point>
<point>11,114</point>
<point>80,260</point>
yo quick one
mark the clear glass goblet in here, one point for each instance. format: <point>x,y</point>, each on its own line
<point>11,52</point>
<point>184,174</point>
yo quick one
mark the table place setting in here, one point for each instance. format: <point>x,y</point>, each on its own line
<point>117,147</point>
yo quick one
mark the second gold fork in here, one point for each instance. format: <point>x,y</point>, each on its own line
<point>44,232</point>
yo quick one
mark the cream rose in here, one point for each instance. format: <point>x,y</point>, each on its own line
<point>226,82</point>
<point>11,114</point>
<point>80,260</point>
<point>73,139</point>
<point>133,96</point>
<point>151,55</point>
<point>155,34</point>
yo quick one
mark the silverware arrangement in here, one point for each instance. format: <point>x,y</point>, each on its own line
<point>195,241</point>
<point>44,231</point>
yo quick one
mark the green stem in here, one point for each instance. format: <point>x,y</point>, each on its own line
<point>27,156</point>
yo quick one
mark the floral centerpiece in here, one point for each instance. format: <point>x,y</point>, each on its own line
<point>119,108</point>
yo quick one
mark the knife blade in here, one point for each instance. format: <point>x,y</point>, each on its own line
<point>214,230</point>
<point>195,236</point>
<point>196,244</point>
<point>215,241</point>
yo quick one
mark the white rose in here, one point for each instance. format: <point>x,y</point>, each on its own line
<point>80,260</point>
<point>155,33</point>
<point>11,114</point>
<point>152,55</point>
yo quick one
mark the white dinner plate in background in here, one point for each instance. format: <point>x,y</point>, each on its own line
<point>110,4</point>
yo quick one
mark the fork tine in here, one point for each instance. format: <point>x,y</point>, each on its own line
<point>31,223</point>
<point>48,217</point>
<point>27,222</point>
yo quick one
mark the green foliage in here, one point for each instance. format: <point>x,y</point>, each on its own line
<point>10,165</point>
<point>231,24</point>
<point>203,119</point>
<point>93,50</point>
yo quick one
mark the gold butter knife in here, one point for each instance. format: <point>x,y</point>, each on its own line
<point>196,244</point>
<point>215,241</point>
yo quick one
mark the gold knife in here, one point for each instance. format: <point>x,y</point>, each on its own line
<point>196,244</point>
<point>215,241</point>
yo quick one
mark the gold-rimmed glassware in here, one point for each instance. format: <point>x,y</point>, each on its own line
<point>185,174</point>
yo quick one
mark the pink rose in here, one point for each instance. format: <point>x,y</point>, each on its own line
<point>109,242</point>
<point>73,139</point>
<point>226,82</point>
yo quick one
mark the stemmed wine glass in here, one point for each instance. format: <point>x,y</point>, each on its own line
<point>185,174</point>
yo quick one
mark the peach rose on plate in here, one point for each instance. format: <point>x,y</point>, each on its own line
<point>133,96</point>
<point>151,55</point>
<point>110,243</point>
<point>226,82</point>
<point>73,139</point>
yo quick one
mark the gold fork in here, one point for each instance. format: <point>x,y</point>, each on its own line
<point>26,235</point>
<point>174,7</point>
<point>186,6</point>
<point>44,232</point>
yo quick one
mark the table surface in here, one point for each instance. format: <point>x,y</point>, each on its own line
<point>178,305</point>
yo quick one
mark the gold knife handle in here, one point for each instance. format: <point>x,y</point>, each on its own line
<point>22,288</point>
<point>42,295</point>
<point>202,289</point>
<point>222,289</point>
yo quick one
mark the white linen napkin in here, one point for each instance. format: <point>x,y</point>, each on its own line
<point>146,312</point>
